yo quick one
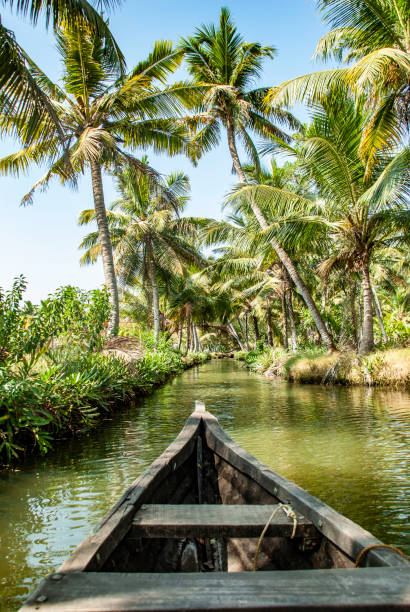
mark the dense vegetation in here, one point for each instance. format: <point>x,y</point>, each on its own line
<point>53,382</point>
<point>310,258</point>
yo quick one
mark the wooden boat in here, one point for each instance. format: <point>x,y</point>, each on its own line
<point>199,511</point>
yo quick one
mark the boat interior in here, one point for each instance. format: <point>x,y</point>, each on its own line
<point>203,505</point>
<point>211,513</point>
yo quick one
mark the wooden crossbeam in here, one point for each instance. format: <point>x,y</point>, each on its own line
<point>367,589</point>
<point>208,520</point>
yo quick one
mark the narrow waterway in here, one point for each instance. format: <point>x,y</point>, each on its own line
<point>350,447</point>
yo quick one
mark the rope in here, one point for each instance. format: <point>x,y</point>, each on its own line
<point>366,550</point>
<point>289,512</point>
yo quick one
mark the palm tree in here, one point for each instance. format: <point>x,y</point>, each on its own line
<point>222,60</point>
<point>194,300</point>
<point>249,266</point>
<point>357,216</point>
<point>100,113</point>
<point>20,93</point>
<point>147,233</point>
<point>375,36</point>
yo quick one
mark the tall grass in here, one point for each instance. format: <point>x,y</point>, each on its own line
<point>389,367</point>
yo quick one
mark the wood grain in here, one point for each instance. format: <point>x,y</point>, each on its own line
<point>213,520</point>
<point>341,531</point>
<point>366,589</point>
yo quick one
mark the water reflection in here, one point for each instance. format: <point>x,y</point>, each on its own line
<point>347,446</point>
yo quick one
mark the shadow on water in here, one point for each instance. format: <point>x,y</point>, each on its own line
<point>349,447</point>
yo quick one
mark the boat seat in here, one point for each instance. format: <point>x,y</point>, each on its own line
<point>216,520</point>
<point>374,588</point>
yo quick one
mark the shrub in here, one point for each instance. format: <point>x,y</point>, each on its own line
<point>27,331</point>
<point>69,396</point>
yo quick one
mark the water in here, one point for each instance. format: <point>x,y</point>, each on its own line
<point>350,447</point>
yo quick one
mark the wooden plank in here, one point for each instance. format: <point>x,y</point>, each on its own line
<point>213,520</point>
<point>341,531</point>
<point>199,406</point>
<point>92,553</point>
<point>365,589</point>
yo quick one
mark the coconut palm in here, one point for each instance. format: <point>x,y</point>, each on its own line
<point>374,37</point>
<point>359,216</point>
<point>147,233</point>
<point>187,302</point>
<point>194,300</point>
<point>20,93</point>
<point>220,58</point>
<point>101,113</point>
<point>248,265</point>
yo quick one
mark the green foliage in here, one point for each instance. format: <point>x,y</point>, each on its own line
<point>158,363</point>
<point>69,396</point>
<point>251,357</point>
<point>80,387</point>
<point>191,359</point>
<point>397,328</point>
<point>27,331</point>
<point>84,314</point>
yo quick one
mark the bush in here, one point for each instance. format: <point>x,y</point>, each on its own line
<point>27,331</point>
<point>71,386</point>
<point>75,393</point>
<point>70,396</point>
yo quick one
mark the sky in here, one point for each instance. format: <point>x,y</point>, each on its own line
<point>41,241</point>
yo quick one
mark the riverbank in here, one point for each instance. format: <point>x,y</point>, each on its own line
<point>390,367</point>
<point>70,397</point>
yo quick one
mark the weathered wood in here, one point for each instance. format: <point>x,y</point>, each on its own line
<point>94,551</point>
<point>199,467</point>
<point>366,589</point>
<point>211,520</point>
<point>174,477</point>
<point>199,406</point>
<point>344,533</point>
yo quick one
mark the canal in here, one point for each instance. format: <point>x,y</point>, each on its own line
<point>348,446</point>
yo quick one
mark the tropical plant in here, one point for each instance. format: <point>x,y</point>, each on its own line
<point>356,215</point>
<point>21,94</point>
<point>100,110</point>
<point>219,58</point>
<point>374,37</point>
<point>147,233</point>
<point>27,330</point>
<point>248,265</point>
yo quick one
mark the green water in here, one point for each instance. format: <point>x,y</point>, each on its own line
<point>350,447</point>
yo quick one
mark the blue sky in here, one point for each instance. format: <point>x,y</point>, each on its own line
<point>41,241</point>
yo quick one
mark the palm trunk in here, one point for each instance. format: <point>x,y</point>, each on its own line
<point>269,323</point>
<point>197,347</point>
<point>247,332</point>
<point>180,332</point>
<point>154,286</point>
<point>324,294</point>
<point>289,304</point>
<point>379,315</point>
<point>284,319</point>
<point>188,334</point>
<point>367,339</point>
<point>193,338</point>
<point>256,327</point>
<point>244,334</point>
<point>360,310</point>
<point>106,248</point>
<point>280,252</point>
<point>198,342</point>
<point>353,314</point>
<point>293,333</point>
<point>234,335</point>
